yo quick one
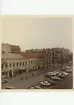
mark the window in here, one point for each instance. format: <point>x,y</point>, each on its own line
<point>20,64</point>
<point>23,63</point>
<point>2,66</point>
<point>13,64</point>
<point>17,64</point>
<point>29,61</point>
<point>6,65</point>
<point>10,65</point>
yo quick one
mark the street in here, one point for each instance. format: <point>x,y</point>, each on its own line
<point>18,83</point>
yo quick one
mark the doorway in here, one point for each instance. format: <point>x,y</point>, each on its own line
<point>10,73</point>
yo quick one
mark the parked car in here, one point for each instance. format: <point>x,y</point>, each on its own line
<point>69,71</point>
<point>67,67</point>
<point>45,83</point>
<point>50,81</point>
<point>63,68</point>
<point>37,87</point>
<point>61,75</point>
<point>10,87</point>
<point>65,73</point>
<point>55,78</point>
<point>56,72</point>
<point>32,88</point>
<point>50,74</point>
<point>4,81</point>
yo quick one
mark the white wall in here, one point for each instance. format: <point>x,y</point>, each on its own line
<point>15,67</point>
<point>6,48</point>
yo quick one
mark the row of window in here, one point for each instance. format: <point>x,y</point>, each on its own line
<point>15,64</point>
<point>32,61</point>
<point>18,64</point>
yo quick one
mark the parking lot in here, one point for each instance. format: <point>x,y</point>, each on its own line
<point>31,81</point>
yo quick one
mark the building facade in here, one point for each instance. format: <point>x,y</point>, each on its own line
<point>8,48</point>
<point>13,62</point>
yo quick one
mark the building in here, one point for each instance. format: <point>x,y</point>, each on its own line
<point>13,61</point>
<point>8,48</point>
<point>44,56</point>
<point>60,56</point>
<point>38,54</point>
<point>33,60</point>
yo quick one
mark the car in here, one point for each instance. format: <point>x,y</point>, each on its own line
<point>32,88</point>
<point>56,73</point>
<point>67,67</point>
<point>69,71</point>
<point>65,73</point>
<point>4,81</point>
<point>63,68</point>
<point>55,78</point>
<point>45,83</point>
<point>51,73</point>
<point>10,87</point>
<point>50,81</point>
<point>61,75</point>
<point>37,87</point>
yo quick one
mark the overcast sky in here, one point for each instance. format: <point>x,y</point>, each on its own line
<point>37,32</point>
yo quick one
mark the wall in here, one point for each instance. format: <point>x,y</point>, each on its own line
<point>6,48</point>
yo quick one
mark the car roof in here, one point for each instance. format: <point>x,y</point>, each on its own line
<point>10,87</point>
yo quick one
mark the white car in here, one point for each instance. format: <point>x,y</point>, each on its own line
<point>10,87</point>
<point>67,67</point>
<point>55,78</point>
<point>61,75</point>
<point>63,68</point>
<point>37,87</point>
<point>31,87</point>
<point>50,81</point>
<point>65,73</point>
<point>45,83</point>
<point>69,70</point>
<point>56,72</point>
<point>51,73</point>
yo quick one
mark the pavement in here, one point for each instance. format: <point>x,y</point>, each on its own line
<point>16,82</point>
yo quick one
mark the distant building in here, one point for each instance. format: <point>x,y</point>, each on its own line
<point>44,55</point>
<point>60,55</point>
<point>14,62</point>
<point>8,48</point>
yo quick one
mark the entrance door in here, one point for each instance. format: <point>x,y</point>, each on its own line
<point>10,73</point>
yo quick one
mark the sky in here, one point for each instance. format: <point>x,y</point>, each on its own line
<point>31,32</point>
